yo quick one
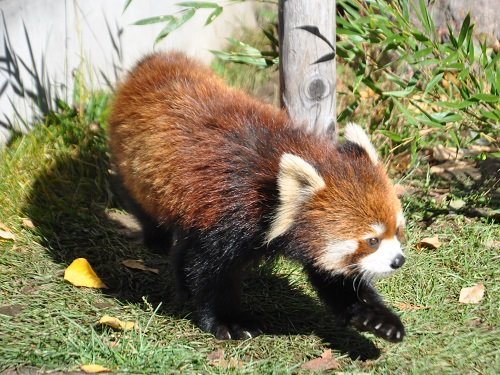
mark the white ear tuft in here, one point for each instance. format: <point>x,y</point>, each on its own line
<point>297,181</point>
<point>355,134</point>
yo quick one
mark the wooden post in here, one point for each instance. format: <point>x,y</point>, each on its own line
<point>307,62</point>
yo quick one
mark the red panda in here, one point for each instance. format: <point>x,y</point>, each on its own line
<point>235,180</point>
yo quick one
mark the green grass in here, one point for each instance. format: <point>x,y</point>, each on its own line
<point>58,177</point>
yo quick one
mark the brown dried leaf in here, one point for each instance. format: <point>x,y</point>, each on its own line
<point>403,306</point>
<point>4,227</point>
<point>323,363</point>
<point>473,294</point>
<point>116,323</point>
<point>216,358</point>
<point>27,223</point>
<point>429,243</point>
<point>94,369</point>
<point>11,310</point>
<point>216,355</point>
<point>138,264</point>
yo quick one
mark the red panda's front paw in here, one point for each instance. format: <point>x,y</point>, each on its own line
<point>379,321</point>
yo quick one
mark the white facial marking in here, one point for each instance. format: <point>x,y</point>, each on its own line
<point>297,181</point>
<point>380,261</point>
<point>355,134</point>
<point>378,230</point>
<point>334,253</point>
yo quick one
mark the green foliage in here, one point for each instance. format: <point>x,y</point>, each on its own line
<point>430,87</point>
<point>419,86</point>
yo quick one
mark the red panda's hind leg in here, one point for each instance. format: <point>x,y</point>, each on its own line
<point>215,282</point>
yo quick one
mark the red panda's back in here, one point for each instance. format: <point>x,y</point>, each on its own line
<point>177,129</point>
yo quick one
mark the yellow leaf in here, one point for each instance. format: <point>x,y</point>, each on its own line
<point>139,265</point>
<point>80,273</point>
<point>429,243</point>
<point>94,369</point>
<point>116,323</point>
<point>474,294</point>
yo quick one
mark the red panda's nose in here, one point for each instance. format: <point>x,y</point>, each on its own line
<point>398,261</point>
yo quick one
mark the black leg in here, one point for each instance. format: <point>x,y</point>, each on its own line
<point>357,303</point>
<point>179,253</point>
<point>215,286</point>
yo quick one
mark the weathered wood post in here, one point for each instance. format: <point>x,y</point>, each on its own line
<point>307,62</point>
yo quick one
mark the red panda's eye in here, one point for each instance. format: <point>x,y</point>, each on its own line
<point>373,242</point>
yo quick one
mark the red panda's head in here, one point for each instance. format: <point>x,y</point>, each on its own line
<point>345,212</point>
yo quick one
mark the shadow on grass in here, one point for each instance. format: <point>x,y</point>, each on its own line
<point>69,206</point>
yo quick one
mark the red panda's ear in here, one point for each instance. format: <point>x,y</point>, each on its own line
<point>355,134</point>
<point>297,182</point>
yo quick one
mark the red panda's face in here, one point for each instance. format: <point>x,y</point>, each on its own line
<point>349,215</point>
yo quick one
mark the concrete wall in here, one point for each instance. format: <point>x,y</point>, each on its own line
<point>44,42</point>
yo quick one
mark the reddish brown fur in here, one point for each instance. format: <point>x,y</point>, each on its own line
<point>175,129</point>
<point>168,139</point>
<point>204,159</point>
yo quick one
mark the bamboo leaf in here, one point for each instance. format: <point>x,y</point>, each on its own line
<point>455,105</point>
<point>198,4</point>
<point>391,135</point>
<point>464,30</point>
<point>486,98</point>
<point>127,3</point>
<point>151,20</point>
<point>175,23</point>
<point>216,13</point>
<point>433,82</point>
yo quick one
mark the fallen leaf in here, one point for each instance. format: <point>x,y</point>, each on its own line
<point>7,235</point>
<point>493,244</point>
<point>27,223</point>
<point>473,294</point>
<point>138,264</point>
<point>215,355</point>
<point>457,204</point>
<point>4,227</point>
<point>94,369</point>
<point>403,306</point>
<point>116,323</point>
<point>216,358</point>
<point>323,363</point>
<point>227,363</point>
<point>11,310</point>
<point>80,273</point>
<point>429,243</point>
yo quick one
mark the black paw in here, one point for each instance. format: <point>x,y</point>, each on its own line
<point>378,320</point>
<point>235,329</point>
